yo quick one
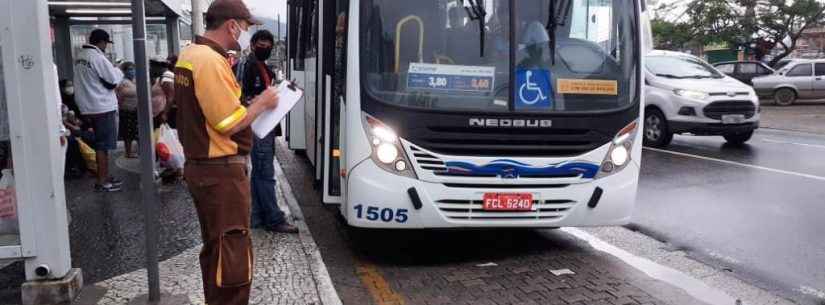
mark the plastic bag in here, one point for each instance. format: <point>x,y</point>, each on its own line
<point>169,149</point>
<point>8,204</point>
<point>89,155</point>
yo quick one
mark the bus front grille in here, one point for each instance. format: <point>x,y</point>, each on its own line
<point>462,209</point>
<point>511,142</point>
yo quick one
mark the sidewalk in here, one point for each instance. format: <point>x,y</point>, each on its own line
<point>288,270</point>
<point>106,233</point>
<point>805,116</point>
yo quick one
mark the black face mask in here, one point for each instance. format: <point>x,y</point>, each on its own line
<point>263,53</point>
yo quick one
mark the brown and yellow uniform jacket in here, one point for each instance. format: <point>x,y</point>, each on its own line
<point>208,99</point>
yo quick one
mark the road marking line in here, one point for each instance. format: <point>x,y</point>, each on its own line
<point>778,171</point>
<point>794,143</point>
<point>378,287</point>
<point>693,286</point>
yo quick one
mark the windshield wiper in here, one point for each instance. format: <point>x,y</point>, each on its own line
<point>700,76</point>
<point>476,11</point>
<point>669,76</point>
<point>553,23</point>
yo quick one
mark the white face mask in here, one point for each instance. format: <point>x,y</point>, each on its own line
<point>68,90</point>
<point>240,33</point>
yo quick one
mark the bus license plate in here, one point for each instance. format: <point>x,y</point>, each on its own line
<point>733,119</point>
<point>508,202</point>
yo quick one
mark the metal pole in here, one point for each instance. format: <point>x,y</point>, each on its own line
<point>172,35</point>
<point>147,150</point>
<point>197,18</point>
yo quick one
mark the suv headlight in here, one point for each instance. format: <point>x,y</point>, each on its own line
<point>620,153</point>
<point>387,151</point>
<point>697,95</point>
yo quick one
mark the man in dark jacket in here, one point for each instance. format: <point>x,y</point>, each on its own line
<point>254,77</point>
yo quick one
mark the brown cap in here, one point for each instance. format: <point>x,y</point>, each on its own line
<point>230,9</point>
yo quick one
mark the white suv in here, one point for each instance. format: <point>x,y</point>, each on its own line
<point>686,95</point>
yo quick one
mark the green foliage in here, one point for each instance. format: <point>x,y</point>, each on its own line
<point>758,24</point>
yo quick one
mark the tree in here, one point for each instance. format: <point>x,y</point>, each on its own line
<point>702,22</point>
<point>670,35</point>
<point>760,25</point>
<point>781,24</point>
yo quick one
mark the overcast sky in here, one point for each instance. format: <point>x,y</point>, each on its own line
<point>268,8</point>
<point>261,8</point>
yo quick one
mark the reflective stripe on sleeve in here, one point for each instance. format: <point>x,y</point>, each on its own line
<point>231,120</point>
<point>184,65</point>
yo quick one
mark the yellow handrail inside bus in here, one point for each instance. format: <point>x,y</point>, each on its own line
<point>445,59</point>
<point>398,29</point>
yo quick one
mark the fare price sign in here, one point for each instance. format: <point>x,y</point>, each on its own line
<point>451,78</point>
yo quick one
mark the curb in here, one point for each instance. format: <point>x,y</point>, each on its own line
<point>323,282</point>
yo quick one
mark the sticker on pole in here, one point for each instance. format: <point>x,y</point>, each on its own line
<point>533,89</point>
<point>473,79</point>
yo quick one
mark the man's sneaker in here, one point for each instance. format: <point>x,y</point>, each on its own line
<point>116,182</point>
<point>283,228</point>
<point>107,188</point>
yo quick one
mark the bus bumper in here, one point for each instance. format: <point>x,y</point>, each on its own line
<point>378,199</point>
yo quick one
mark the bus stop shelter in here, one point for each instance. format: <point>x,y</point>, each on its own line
<point>36,48</point>
<point>65,13</point>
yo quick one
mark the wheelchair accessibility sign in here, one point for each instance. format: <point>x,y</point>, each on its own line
<point>534,89</point>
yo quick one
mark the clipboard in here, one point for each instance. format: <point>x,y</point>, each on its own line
<point>288,96</point>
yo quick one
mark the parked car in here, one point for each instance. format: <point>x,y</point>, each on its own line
<point>801,79</point>
<point>686,95</point>
<point>744,71</point>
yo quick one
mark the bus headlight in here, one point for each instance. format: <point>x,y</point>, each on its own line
<point>387,151</point>
<point>618,157</point>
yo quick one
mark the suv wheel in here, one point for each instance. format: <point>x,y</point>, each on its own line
<point>657,133</point>
<point>784,97</point>
<point>739,138</point>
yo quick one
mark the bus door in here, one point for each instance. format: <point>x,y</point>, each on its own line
<point>315,109</point>
<point>334,61</point>
<point>297,51</point>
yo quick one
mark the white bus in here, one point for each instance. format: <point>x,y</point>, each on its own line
<point>470,113</point>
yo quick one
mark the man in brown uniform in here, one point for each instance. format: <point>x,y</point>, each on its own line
<point>214,130</point>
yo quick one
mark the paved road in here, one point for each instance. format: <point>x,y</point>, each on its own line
<point>453,267</point>
<point>757,209</point>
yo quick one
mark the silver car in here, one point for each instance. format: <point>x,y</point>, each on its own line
<point>800,79</point>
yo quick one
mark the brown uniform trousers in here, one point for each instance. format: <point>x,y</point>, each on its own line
<point>220,189</point>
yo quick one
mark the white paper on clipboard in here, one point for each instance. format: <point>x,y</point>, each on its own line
<point>288,97</point>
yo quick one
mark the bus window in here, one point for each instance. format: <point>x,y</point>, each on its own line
<point>428,54</point>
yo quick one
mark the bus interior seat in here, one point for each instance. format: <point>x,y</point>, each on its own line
<point>586,57</point>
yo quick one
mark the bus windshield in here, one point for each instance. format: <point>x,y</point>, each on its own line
<point>462,55</point>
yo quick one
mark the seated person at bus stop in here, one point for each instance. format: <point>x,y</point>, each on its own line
<point>254,77</point>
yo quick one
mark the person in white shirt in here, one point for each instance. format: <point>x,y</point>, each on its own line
<point>95,80</point>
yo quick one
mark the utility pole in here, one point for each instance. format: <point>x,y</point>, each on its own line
<point>197,17</point>
<point>147,152</point>
<point>148,189</point>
